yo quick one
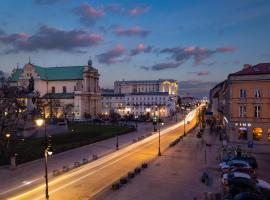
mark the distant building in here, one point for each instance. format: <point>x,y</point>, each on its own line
<point>154,97</point>
<point>75,87</point>
<point>146,86</point>
<point>245,107</point>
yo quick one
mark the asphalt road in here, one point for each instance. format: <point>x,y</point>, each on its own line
<point>86,181</point>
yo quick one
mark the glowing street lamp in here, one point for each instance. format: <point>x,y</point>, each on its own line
<point>39,122</point>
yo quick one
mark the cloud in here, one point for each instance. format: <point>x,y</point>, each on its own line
<point>198,54</point>
<point>48,2</point>
<point>133,31</point>
<point>88,14</point>
<point>141,48</point>
<point>201,73</point>
<point>48,38</point>
<point>162,66</point>
<point>138,10</point>
<point>117,8</point>
<point>114,55</point>
<point>12,38</point>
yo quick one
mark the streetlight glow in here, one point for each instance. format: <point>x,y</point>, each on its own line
<point>39,121</point>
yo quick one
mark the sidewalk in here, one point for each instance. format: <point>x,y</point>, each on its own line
<point>33,172</point>
<point>174,175</point>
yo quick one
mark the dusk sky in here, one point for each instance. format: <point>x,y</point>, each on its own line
<point>183,40</point>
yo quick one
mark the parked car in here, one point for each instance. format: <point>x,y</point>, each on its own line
<point>232,164</point>
<point>248,196</point>
<point>251,160</point>
<point>231,176</point>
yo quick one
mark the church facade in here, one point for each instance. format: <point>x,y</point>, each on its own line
<point>73,91</point>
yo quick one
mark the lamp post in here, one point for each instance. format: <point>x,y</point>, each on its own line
<point>184,123</point>
<point>136,122</point>
<point>117,146</point>
<point>159,152</point>
<point>47,152</point>
<point>8,137</point>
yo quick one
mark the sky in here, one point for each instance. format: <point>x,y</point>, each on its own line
<point>192,41</point>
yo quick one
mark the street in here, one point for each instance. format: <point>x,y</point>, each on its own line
<point>88,180</point>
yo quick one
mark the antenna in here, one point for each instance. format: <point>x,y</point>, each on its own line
<point>29,60</point>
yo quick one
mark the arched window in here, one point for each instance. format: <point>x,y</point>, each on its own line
<point>64,89</point>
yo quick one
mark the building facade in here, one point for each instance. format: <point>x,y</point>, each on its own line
<point>246,108</point>
<point>74,88</point>
<point>154,97</point>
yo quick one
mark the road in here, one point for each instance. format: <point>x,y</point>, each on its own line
<point>86,181</point>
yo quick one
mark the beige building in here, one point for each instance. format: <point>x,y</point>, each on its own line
<point>74,88</point>
<point>246,104</point>
<point>146,86</point>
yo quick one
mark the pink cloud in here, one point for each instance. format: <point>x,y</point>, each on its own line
<point>141,48</point>
<point>114,55</point>
<point>88,14</point>
<point>138,10</point>
<point>133,31</point>
<point>226,49</point>
<point>203,73</point>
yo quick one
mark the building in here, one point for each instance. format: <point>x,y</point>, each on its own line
<point>246,107</point>
<point>148,86</point>
<point>74,89</point>
<point>153,97</point>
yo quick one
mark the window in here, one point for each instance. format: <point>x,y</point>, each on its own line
<point>268,136</point>
<point>257,111</point>
<point>74,87</point>
<point>64,89</point>
<point>242,111</point>
<point>243,93</point>
<point>53,89</point>
<point>257,134</point>
<point>257,93</point>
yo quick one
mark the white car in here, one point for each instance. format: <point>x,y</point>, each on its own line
<point>259,182</point>
<point>234,164</point>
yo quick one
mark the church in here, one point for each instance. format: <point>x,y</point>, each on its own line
<point>74,90</point>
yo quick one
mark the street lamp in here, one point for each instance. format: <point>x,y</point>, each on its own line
<point>8,137</point>
<point>117,146</point>
<point>184,123</point>
<point>136,121</point>
<point>159,152</point>
<point>47,152</point>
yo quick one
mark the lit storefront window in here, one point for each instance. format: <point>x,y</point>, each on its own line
<point>257,134</point>
<point>268,137</point>
<point>242,133</point>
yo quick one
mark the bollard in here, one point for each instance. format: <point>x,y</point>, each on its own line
<point>115,186</point>
<point>77,164</point>
<point>95,157</point>
<point>65,168</point>
<point>85,160</point>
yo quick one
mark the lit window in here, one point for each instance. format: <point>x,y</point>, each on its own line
<point>268,136</point>
<point>257,134</point>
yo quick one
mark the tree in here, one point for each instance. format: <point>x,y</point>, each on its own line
<point>13,117</point>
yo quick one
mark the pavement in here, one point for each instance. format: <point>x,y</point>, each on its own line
<point>30,174</point>
<point>176,174</point>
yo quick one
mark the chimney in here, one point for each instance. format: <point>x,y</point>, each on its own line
<point>246,66</point>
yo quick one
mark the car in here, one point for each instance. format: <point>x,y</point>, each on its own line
<point>239,164</point>
<point>239,184</point>
<point>258,182</point>
<point>248,196</point>
<point>248,158</point>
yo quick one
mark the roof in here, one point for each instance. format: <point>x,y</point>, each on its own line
<point>58,96</point>
<point>15,74</point>
<point>53,73</point>
<point>147,81</point>
<point>261,68</point>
